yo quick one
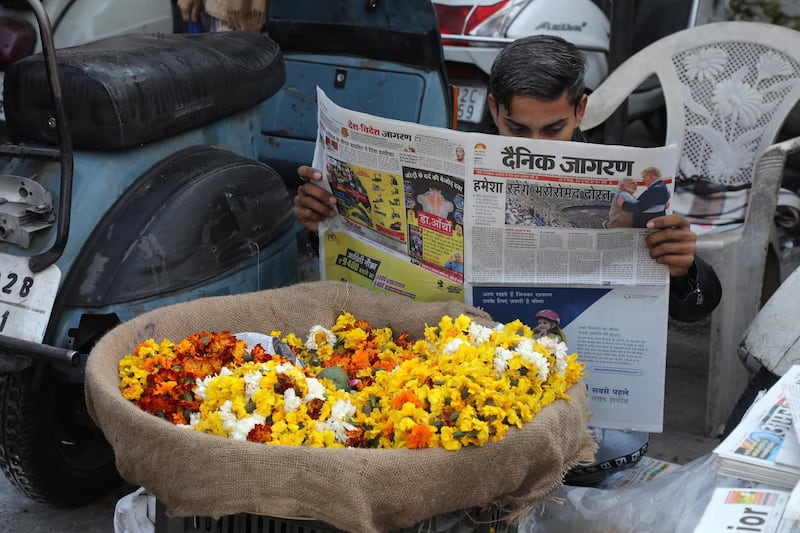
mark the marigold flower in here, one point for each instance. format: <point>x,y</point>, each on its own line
<point>462,384</point>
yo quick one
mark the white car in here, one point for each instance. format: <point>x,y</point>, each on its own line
<point>77,22</point>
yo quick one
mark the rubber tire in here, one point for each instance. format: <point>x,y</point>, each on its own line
<point>761,380</point>
<point>34,432</point>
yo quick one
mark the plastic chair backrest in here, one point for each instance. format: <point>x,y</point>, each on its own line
<point>728,87</point>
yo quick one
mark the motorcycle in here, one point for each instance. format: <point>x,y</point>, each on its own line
<point>474,32</point>
<point>147,170</point>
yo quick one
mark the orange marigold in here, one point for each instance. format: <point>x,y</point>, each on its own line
<point>406,396</point>
<point>419,437</point>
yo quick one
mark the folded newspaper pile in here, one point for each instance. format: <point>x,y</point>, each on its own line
<point>765,446</point>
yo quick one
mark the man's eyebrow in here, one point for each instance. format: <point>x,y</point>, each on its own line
<point>555,123</point>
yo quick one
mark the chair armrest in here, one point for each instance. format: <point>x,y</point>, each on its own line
<point>766,184</point>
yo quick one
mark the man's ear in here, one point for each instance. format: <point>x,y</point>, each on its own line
<point>492,107</point>
<point>580,109</point>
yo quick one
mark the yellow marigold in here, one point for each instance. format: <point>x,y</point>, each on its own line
<point>462,384</point>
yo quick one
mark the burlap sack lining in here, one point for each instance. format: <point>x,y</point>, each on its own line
<point>350,489</point>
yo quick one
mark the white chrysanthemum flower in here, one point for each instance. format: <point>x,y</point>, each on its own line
<point>245,425</point>
<point>771,64</point>
<point>291,402</point>
<point>201,385</point>
<point>501,358</point>
<point>316,390</point>
<point>251,382</point>
<point>285,368</point>
<point>550,344</point>
<point>736,99</point>
<point>705,64</point>
<point>479,334</point>
<point>561,359</point>
<point>541,364</point>
<point>341,412</point>
<point>525,346</point>
<point>194,419</point>
<point>318,336</point>
<point>452,346</point>
<point>228,417</point>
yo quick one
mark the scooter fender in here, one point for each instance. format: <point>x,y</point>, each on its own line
<point>203,221</point>
<point>772,339</point>
<point>189,219</point>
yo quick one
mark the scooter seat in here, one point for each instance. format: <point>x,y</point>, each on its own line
<point>133,89</point>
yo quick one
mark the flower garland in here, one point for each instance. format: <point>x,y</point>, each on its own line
<point>359,386</point>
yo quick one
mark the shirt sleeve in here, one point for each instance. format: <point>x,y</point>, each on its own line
<point>703,295</point>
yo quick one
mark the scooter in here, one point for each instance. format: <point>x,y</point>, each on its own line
<point>133,183</point>
<point>474,32</point>
<point>139,179</point>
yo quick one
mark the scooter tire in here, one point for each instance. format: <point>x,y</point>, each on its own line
<point>49,447</point>
<point>761,380</point>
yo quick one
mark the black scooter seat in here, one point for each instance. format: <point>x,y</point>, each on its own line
<point>133,89</point>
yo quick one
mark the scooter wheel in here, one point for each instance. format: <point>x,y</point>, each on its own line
<point>49,447</point>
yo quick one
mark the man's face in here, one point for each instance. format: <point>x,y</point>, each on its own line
<point>628,185</point>
<point>648,178</point>
<point>533,118</point>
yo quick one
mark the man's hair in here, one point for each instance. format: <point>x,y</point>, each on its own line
<point>540,66</point>
<point>653,172</point>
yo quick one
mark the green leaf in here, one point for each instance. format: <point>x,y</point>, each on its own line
<point>338,376</point>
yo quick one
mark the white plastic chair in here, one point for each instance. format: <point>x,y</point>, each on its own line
<point>728,87</point>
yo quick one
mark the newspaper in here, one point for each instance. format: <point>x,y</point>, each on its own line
<point>513,226</point>
<point>763,446</point>
<point>647,469</point>
<point>741,509</point>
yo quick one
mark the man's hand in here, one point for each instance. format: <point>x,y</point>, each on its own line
<point>672,244</point>
<point>190,9</point>
<point>312,203</point>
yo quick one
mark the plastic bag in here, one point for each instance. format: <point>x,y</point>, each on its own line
<point>673,501</point>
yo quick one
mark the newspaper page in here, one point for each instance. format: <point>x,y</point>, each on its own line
<point>513,226</point>
<point>547,229</point>
<point>740,509</point>
<point>763,446</point>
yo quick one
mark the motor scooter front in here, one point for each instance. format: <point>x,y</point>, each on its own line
<point>133,184</point>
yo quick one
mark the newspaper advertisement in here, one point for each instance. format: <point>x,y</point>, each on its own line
<point>513,226</point>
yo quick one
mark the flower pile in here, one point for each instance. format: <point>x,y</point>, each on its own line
<point>359,386</point>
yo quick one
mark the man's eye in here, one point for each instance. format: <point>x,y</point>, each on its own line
<point>553,131</point>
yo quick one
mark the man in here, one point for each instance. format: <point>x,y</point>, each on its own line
<point>536,90</point>
<point>652,203</point>
<point>618,217</point>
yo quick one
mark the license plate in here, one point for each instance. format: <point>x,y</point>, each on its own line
<point>26,299</point>
<point>471,101</point>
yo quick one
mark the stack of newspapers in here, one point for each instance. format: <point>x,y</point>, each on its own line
<point>765,446</point>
